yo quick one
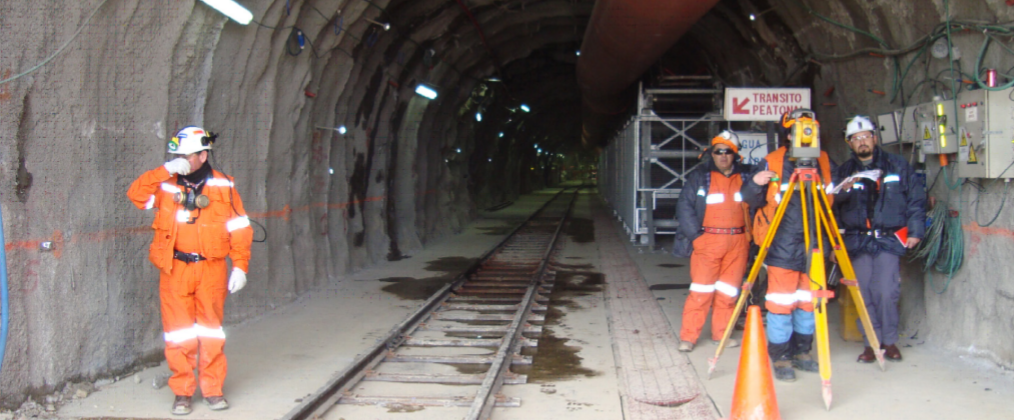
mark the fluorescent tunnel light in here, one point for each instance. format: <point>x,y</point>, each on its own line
<point>525,108</point>
<point>231,9</point>
<point>426,91</point>
<point>478,116</point>
<point>342,129</point>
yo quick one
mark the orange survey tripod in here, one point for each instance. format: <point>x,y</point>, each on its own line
<point>816,223</point>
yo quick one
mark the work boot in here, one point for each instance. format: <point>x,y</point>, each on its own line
<point>891,352</point>
<point>868,356</point>
<point>181,406</point>
<point>805,362</point>
<point>784,372</point>
<point>217,403</point>
<point>686,346</point>
<point>729,344</point>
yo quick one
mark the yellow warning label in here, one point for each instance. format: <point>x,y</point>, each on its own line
<point>964,139</point>
<point>926,135</point>
<point>971,156</point>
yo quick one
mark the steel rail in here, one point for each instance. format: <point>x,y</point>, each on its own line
<point>314,406</point>
<point>483,404</point>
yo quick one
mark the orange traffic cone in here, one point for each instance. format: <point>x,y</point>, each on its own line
<point>754,396</point>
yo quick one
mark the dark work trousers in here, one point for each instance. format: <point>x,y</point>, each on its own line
<point>880,282</point>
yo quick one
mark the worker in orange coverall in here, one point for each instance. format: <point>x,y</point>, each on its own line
<point>199,220</point>
<point>711,211</point>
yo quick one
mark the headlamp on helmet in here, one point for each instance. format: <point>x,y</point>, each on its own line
<point>191,140</point>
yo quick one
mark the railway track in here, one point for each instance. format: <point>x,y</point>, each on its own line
<point>498,303</point>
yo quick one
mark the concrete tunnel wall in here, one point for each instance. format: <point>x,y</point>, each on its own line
<point>76,132</point>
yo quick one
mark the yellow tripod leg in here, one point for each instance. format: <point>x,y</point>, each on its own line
<point>754,271</point>
<point>849,274</point>
<point>818,286</point>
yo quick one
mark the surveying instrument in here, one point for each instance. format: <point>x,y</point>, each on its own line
<point>818,221</point>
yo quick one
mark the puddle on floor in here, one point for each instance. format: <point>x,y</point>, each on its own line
<point>496,230</point>
<point>667,265</point>
<point>669,286</point>
<point>555,360</point>
<point>450,264</point>
<point>408,288</point>
<point>574,266</point>
<point>581,230</point>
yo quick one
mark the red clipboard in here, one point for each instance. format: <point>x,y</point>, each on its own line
<point>902,235</point>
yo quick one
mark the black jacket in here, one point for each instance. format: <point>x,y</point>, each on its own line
<point>788,249</point>
<point>691,205</point>
<point>900,201</point>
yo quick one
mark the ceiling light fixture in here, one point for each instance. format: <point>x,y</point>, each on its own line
<point>426,91</point>
<point>478,116</point>
<point>525,108</point>
<point>231,9</point>
<point>386,26</point>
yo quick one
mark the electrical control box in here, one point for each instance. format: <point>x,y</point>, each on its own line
<point>935,126</point>
<point>898,127</point>
<point>985,147</point>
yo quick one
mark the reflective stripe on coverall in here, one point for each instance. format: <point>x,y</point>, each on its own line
<point>718,262</point>
<point>193,295</point>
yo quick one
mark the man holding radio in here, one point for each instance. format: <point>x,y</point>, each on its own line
<point>199,220</point>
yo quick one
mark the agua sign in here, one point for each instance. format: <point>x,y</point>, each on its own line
<point>763,104</point>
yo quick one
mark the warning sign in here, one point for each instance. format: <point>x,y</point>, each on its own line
<point>763,104</point>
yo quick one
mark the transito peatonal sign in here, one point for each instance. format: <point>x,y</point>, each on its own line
<point>763,104</point>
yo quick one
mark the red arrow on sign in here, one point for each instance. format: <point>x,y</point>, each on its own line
<point>740,108</point>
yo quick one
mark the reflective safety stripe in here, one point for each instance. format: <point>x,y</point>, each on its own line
<point>180,336</point>
<point>150,203</point>
<point>715,198</point>
<point>892,178</point>
<point>830,187</point>
<point>727,289</point>
<point>219,182</point>
<point>803,295</point>
<point>203,331</point>
<point>859,186</point>
<point>702,288</point>
<point>182,216</point>
<point>785,186</point>
<point>737,197</point>
<point>237,223</point>
<point>778,197</point>
<point>700,191</point>
<point>786,299</point>
<point>170,188</point>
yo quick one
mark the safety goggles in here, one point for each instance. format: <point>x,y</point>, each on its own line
<point>863,137</point>
<point>719,152</point>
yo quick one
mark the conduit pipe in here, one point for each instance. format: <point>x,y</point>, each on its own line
<point>624,37</point>
<point>4,304</point>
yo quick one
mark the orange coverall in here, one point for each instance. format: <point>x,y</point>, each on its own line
<point>718,262</point>
<point>193,294</point>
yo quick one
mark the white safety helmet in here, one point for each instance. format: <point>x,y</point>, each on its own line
<point>858,124</point>
<point>728,138</point>
<point>191,140</point>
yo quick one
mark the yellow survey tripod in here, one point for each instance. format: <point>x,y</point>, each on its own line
<point>817,221</point>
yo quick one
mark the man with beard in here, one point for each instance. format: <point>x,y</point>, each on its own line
<point>882,218</point>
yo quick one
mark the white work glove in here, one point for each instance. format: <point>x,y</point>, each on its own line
<point>178,166</point>
<point>237,280</point>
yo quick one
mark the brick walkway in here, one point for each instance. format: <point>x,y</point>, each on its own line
<point>657,381</point>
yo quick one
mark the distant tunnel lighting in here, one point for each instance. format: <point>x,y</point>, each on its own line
<point>753,17</point>
<point>330,171</point>
<point>231,9</point>
<point>490,159</point>
<point>493,79</point>
<point>386,26</point>
<point>342,129</point>
<point>578,53</point>
<point>478,116</point>
<point>501,134</point>
<point>459,150</point>
<point>426,91</point>
<point>536,145</point>
<point>525,108</point>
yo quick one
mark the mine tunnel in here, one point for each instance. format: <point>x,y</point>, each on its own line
<point>467,208</point>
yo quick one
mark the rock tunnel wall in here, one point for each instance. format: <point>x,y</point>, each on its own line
<point>76,132</point>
